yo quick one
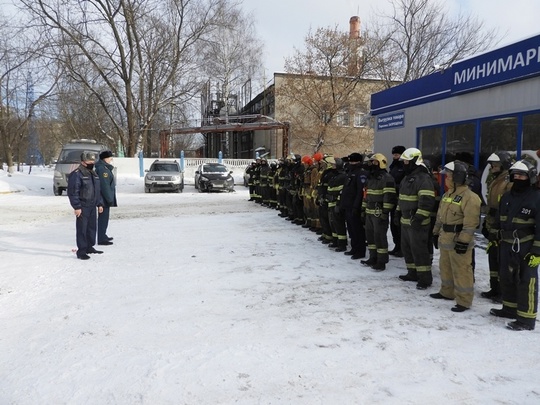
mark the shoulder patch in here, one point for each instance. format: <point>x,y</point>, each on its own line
<point>105,175</point>
<point>457,198</point>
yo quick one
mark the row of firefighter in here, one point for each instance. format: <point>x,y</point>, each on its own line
<point>352,202</point>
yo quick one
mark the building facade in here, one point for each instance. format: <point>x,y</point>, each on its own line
<point>470,109</point>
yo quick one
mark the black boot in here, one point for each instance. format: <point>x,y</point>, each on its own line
<point>410,276</point>
<point>503,313</point>
<point>369,262</point>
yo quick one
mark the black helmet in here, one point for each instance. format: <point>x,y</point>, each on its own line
<point>524,167</point>
<point>501,157</point>
<point>458,170</point>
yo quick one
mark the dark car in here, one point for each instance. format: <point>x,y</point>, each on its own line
<point>164,175</point>
<point>213,177</point>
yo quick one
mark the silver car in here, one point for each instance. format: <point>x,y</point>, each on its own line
<point>164,175</point>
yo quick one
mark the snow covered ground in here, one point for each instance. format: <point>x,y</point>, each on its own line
<point>211,299</point>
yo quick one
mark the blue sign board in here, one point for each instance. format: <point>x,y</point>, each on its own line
<point>513,62</point>
<point>391,121</point>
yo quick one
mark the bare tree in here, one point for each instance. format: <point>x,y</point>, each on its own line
<point>420,35</point>
<point>233,55</point>
<point>323,101</point>
<point>19,58</point>
<point>135,57</point>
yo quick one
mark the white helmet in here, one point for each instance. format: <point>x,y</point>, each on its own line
<point>413,155</point>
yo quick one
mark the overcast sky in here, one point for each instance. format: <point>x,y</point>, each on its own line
<point>283,24</point>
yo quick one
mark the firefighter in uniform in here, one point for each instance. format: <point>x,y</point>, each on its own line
<point>250,171</point>
<point>415,204</point>
<point>307,191</point>
<point>264,193</point>
<point>376,207</point>
<point>397,172</point>
<point>328,172</point>
<point>336,216</point>
<point>458,217</point>
<point>518,234</point>
<point>272,185</point>
<point>351,202</point>
<point>500,163</point>
<point>315,177</point>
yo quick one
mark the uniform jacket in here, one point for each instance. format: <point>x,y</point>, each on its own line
<point>459,206</point>
<point>84,188</point>
<point>353,190</point>
<point>519,214</point>
<point>498,186</point>
<point>107,183</point>
<point>335,187</point>
<point>381,196</point>
<point>397,171</point>
<point>416,196</point>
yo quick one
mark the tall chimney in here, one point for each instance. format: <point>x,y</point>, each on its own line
<point>354,30</point>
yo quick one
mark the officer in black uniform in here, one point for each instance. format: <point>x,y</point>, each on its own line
<point>398,172</point>
<point>84,194</point>
<point>351,202</point>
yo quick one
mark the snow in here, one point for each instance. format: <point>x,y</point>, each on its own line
<point>211,299</point>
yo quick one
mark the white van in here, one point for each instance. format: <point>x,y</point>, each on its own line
<point>70,159</point>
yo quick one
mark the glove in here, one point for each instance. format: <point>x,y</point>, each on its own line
<point>533,260</point>
<point>491,244</point>
<point>436,241</point>
<point>485,231</point>
<point>461,248</point>
<point>416,222</point>
<point>397,218</point>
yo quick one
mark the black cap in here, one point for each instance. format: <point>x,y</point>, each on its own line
<point>105,154</point>
<point>398,149</point>
<point>355,157</point>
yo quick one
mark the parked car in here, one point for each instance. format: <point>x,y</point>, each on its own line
<point>70,159</point>
<point>213,177</point>
<point>164,175</point>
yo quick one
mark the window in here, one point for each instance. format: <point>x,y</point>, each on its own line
<point>360,118</point>
<point>531,132</point>
<point>342,118</point>
<point>497,134</point>
<point>430,143</point>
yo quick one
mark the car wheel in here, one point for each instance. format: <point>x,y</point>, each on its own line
<point>57,191</point>
<point>147,190</point>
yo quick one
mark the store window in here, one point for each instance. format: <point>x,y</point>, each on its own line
<point>430,143</point>
<point>531,132</point>
<point>460,142</point>
<point>497,134</point>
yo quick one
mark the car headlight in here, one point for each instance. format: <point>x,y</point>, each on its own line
<point>204,178</point>
<point>150,178</point>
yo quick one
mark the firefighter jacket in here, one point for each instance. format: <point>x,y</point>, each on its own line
<point>381,196</point>
<point>458,217</point>
<point>335,187</point>
<point>353,190</point>
<point>416,197</point>
<point>498,186</point>
<point>516,224</point>
<point>316,173</point>
<point>296,178</point>
<point>322,187</point>
<point>263,174</point>
<point>306,186</point>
